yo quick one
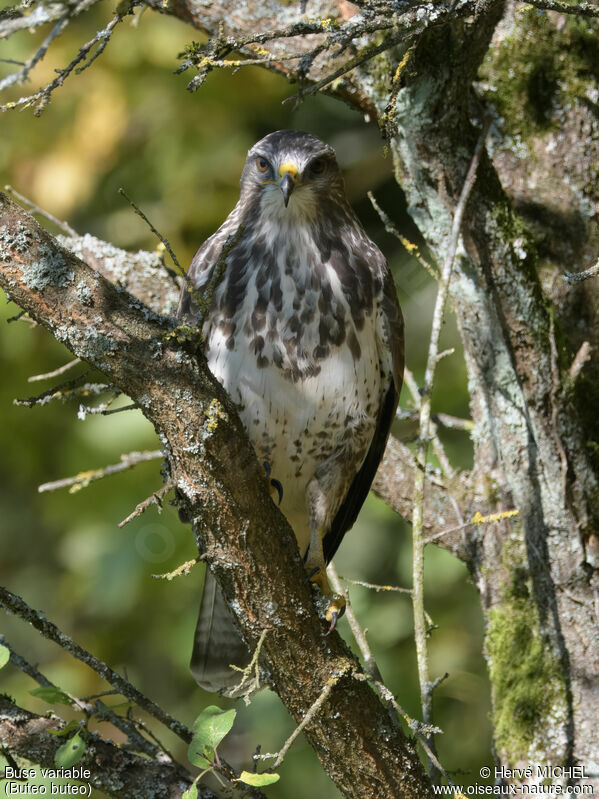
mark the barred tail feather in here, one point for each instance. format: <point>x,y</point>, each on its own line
<point>217,643</point>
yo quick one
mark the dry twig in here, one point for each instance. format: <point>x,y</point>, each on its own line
<point>37,210</point>
<point>154,499</point>
<point>14,604</point>
<point>355,626</point>
<point>83,479</point>
<point>42,97</point>
<point>420,624</point>
<point>55,372</point>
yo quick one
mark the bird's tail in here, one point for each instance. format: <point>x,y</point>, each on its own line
<point>217,643</point>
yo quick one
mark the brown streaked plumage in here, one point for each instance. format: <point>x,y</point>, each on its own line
<point>306,335</point>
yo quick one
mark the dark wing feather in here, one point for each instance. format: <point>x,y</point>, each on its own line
<point>391,357</point>
<point>216,641</point>
<point>203,263</point>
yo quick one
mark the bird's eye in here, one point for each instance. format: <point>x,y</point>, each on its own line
<point>318,166</point>
<point>262,164</point>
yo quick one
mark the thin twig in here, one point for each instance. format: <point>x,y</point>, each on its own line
<point>64,393</point>
<point>438,447</point>
<point>23,74</point>
<point>440,419</point>
<point>43,96</point>
<point>24,665</point>
<point>366,55</point>
<point>310,713</point>
<point>250,679</point>
<point>370,665</point>
<point>101,695</point>
<point>155,743</point>
<point>184,568</point>
<point>582,356</point>
<point>31,21</point>
<point>154,499</point>
<point>445,353</point>
<point>476,520</point>
<point>452,422</point>
<point>411,249</point>
<point>104,409</point>
<point>37,210</point>
<point>99,710</point>
<point>15,604</point>
<point>208,64</point>
<point>355,626</point>
<point>55,372</point>
<point>449,259</point>
<point>376,587</point>
<point>162,238</point>
<point>87,410</point>
<point>420,730</point>
<point>418,540</point>
<point>83,479</point>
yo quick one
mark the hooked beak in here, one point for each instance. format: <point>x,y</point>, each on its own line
<point>288,175</point>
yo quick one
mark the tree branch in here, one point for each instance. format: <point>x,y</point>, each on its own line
<point>222,487</point>
<point>114,770</point>
<point>48,629</point>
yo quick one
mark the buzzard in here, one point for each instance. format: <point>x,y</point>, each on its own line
<point>305,333</point>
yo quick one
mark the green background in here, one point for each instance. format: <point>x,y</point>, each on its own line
<point>128,121</point>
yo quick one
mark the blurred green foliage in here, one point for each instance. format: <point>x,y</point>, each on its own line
<point>128,121</point>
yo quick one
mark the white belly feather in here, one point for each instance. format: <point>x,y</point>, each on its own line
<point>297,425</point>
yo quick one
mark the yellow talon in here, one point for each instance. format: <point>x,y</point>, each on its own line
<point>335,611</point>
<point>336,606</point>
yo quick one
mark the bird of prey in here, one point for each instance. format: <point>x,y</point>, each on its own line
<point>305,333</point>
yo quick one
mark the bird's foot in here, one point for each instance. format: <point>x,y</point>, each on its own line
<point>334,604</point>
<point>274,486</point>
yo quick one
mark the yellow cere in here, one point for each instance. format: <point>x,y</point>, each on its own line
<point>288,168</point>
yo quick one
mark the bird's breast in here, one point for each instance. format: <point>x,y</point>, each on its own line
<point>302,370</point>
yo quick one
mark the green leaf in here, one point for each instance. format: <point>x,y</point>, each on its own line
<point>70,753</point>
<point>258,780</point>
<point>4,655</point>
<point>191,792</point>
<point>51,694</point>
<point>209,729</point>
<point>214,723</point>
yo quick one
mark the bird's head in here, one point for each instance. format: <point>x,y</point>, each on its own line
<point>291,169</point>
